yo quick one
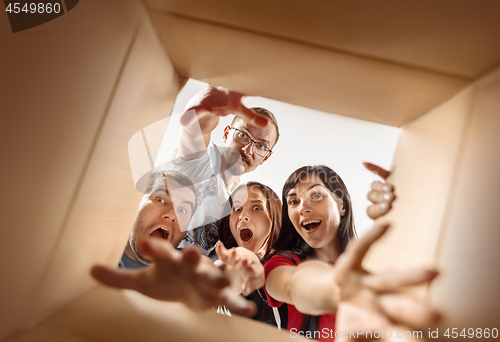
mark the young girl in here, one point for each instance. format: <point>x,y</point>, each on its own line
<point>251,229</point>
<point>313,271</point>
<point>254,221</point>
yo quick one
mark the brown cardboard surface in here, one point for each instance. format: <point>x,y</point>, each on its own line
<point>457,37</point>
<point>423,168</point>
<point>107,193</point>
<point>76,92</point>
<point>111,315</point>
<point>469,254</point>
<point>49,74</point>
<point>446,215</point>
<point>335,82</point>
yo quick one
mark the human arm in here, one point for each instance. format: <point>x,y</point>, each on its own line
<point>243,267</point>
<point>362,300</point>
<point>375,301</point>
<point>186,277</point>
<point>306,286</point>
<point>202,116</point>
<point>381,194</point>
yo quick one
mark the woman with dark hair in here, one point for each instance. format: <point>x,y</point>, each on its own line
<point>313,270</point>
<point>331,184</point>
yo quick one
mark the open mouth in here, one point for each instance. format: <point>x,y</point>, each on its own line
<point>161,233</point>
<point>311,224</point>
<point>246,234</point>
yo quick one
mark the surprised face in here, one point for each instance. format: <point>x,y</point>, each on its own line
<point>250,220</point>
<point>164,213</point>
<point>315,212</point>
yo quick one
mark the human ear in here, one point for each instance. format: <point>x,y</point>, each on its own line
<point>341,207</point>
<point>266,158</point>
<point>226,133</point>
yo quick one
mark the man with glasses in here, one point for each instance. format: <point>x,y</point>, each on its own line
<point>214,170</point>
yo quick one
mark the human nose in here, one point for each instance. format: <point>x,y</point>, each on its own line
<point>248,148</point>
<point>169,213</point>
<point>305,207</point>
<point>243,216</point>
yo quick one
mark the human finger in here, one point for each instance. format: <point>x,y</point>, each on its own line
<point>234,256</point>
<point>238,304</point>
<point>375,196</point>
<point>246,288</point>
<point>190,257</point>
<point>249,266</point>
<point>222,252</point>
<point>239,109</point>
<point>374,211</point>
<point>356,251</point>
<point>208,100</point>
<point>162,252</point>
<point>393,281</point>
<point>246,268</point>
<point>382,186</point>
<point>118,278</point>
<point>377,170</point>
<point>212,281</point>
<point>407,311</point>
<point>250,116</point>
<point>231,257</point>
<point>207,274</point>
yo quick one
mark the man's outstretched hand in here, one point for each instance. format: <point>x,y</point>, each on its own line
<point>212,102</point>
<point>381,194</point>
<point>179,276</point>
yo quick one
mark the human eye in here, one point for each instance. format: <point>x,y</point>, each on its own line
<point>261,147</point>
<point>182,210</point>
<point>292,202</point>
<point>242,135</point>
<point>257,208</point>
<point>160,200</point>
<point>316,196</point>
<point>237,209</point>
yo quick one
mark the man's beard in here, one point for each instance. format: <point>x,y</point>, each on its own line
<point>236,168</point>
<point>141,257</point>
<point>138,255</point>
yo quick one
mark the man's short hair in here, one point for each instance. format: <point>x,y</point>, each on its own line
<point>160,177</point>
<point>269,115</point>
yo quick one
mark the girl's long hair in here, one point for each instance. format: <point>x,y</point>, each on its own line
<point>289,239</point>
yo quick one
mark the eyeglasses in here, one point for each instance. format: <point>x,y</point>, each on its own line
<point>242,138</point>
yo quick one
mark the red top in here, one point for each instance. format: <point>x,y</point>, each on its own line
<point>295,318</point>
